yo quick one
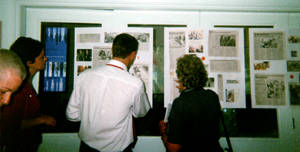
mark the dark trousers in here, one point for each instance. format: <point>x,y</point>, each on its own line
<point>86,148</point>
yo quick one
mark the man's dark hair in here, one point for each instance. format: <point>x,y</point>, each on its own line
<point>27,48</point>
<point>123,45</point>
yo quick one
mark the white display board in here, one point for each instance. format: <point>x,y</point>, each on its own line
<point>222,52</point>
<point>93,48</point>
<point>268,68</point>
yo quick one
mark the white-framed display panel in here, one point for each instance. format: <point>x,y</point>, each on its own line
<point>171,92</point>
<point>144,57</point>
<point>275,69</point>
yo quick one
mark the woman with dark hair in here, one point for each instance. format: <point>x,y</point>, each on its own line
<point>33,56</point>
<point>193,124</point>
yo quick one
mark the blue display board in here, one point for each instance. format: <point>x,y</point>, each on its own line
<point>56,52</point>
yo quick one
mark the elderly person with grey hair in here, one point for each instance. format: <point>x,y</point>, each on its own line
<point>12,73</point>
<point>194,121</point>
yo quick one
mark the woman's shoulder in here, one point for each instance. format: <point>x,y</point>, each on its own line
<point>208,91</point>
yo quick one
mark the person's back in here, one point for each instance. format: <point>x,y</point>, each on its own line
<point>194,120</point>
<point>199,112</point>
<point>106,108</point>
<point>106,98</point>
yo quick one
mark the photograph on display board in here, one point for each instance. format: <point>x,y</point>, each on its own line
<point>263,66</point>
<point>177,39</point>
<point>143,39</point>
<point>229,93</point>
<point>294,90</point>
<point>141,71</point>
<point>196,48</point>
<point>293,66</point>
<point>84,55</point>
<point>269,45</point>
<point>56,53</point>
<point>196,41</point>
<point>223,43</point>
<point>227,41</point>
<point>109,36</point>
<point>294,53</point>
<point>232,90</point>
<point>81,68</point>
<point>294,39</point>
<point>270,90</point>
<point>101,55</point>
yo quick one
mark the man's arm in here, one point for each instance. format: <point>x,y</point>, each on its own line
<point>141,103</point>
<point>73,108</point>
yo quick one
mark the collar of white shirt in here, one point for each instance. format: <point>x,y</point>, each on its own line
<point>118,64</point>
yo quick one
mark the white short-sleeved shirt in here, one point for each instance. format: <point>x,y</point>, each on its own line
<point>104,99</point>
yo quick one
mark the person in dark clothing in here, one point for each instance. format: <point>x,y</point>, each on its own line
<point>194,121</point>
<point>29,136</point>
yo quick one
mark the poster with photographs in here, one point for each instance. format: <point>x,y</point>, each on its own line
<point>196,41</point>
<point>174,47</point>
<point>223,43</point>
<point>143,64</point>
<point>56,65</point>
<point>268,68</point>
<point>293,66</point>
<point>85,40</point>
<point>225,59</point>
<point>219,51</point>
<point>270,90</point>
<point>93,49</point>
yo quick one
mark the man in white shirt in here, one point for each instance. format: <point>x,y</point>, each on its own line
<point>105,99</point>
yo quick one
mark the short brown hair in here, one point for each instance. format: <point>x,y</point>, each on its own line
<point>191,71</point>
